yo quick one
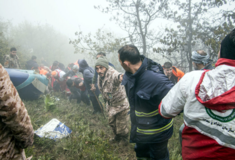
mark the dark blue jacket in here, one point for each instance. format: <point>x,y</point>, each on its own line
<point>145,89</point>
<point>88,74</point>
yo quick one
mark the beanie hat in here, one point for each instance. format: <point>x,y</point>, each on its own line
<point>102,61</point>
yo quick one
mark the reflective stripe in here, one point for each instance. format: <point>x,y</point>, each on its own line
<point>155,131</point>
<point>142,114</point>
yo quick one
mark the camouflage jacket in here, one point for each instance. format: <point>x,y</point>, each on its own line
<point>16,130</point>
<point>113,92</point>
<point>11,62</point>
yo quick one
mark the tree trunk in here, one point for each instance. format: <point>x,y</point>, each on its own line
<point>190,37</point>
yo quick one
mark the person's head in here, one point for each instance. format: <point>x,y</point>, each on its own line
<point>69,83</point>
<point>101,66</point>
<point>227,49</point>
<point>75,68</point>
<point>34,58</point>
<point>129,57</point>
<point>55,65</point>
<point>200,59</point>
<point>100,54</point>
<point>167,68</point>
<point>13,51</point>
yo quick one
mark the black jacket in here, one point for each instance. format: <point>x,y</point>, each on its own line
<point>88,74</point>
<point>145,89</point>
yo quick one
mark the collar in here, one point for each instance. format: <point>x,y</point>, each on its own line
<point>129,76</point>
<point>225,61</point>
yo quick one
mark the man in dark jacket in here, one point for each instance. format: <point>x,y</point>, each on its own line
<point>88,74</point>
<point>201,60</point>
<point>32,64</point>
<point>146,85</point>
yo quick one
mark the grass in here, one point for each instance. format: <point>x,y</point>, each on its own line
<point>90,135</point>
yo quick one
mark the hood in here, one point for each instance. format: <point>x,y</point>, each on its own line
<point>82,65</point>
<point>216,88</point>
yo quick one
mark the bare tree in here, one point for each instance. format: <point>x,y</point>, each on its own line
<point>135,17</point>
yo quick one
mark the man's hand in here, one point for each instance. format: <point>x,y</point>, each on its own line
<point>93,87</point>
<point>81,84</point>
<point>120,77</point>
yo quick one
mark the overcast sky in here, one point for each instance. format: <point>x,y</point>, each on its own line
<point>65,16</point>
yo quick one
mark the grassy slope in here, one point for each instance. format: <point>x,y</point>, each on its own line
<point>90,134</point>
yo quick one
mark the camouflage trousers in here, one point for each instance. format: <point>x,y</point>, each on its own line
<point>119,123</point>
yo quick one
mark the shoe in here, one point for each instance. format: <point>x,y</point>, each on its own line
<point>116,139</point>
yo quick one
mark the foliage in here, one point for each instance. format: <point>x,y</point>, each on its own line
<point>135,17</point>
<point>89,138</point>
<point>4,41</point>
<point>101,41</point>
<point>41,40</point>
<point>49,101</point>
<point>196,21</point>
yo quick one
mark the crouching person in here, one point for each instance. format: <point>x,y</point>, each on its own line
<point>114,95</point>
<point>16,130</point>
<point>77,92</point>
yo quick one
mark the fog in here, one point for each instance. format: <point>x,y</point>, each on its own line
<point>45,28</point>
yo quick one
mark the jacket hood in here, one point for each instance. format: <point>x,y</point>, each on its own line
<point>216,88</point>
<point>82,65</point>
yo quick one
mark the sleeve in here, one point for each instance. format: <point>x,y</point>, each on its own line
<point>66,74</point>
<point>88,76</point>
<point>173,103</point>
<point>6,62</point>
<point>13,112</point>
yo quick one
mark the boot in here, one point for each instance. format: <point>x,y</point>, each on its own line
<point>124,141</point>
<point>116,139</point>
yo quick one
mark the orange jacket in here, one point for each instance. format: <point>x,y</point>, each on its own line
<point>177,72</point>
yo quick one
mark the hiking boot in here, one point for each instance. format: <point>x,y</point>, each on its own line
<point>116,139</point>
<point>123,142</point>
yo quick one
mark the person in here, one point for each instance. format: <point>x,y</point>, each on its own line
<point>32,64</point>
<point>77,92</point>
<point>12,60</point>
<point>55,65</point>
<point>88,74</point>
<point>206,96</point>
<point>114,95</point>
<point>69,67</point>
<point>174,74</point>
<point>72,72</point>
<point>100,54</point>
<point>201,60</point>
<point>59,83</point>
<point>146,85</point>
<point>16,130</point>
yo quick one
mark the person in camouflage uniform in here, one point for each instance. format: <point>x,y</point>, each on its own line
<point>114,95</point>
<point>12,60</point>
<point>16,130</point>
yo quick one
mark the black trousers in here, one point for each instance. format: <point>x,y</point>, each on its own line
<point>153,151</point>
<point>76,93</point>
<point>95,103</point>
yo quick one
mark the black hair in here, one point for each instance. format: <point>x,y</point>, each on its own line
<point>167,65</point>
<point>129,53</point>
<point>55,63</point>
<point>13,49</point>
<point>101,53</point>
<point>69,82</point>
<point>227,49</point>
<point>34,57</point>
